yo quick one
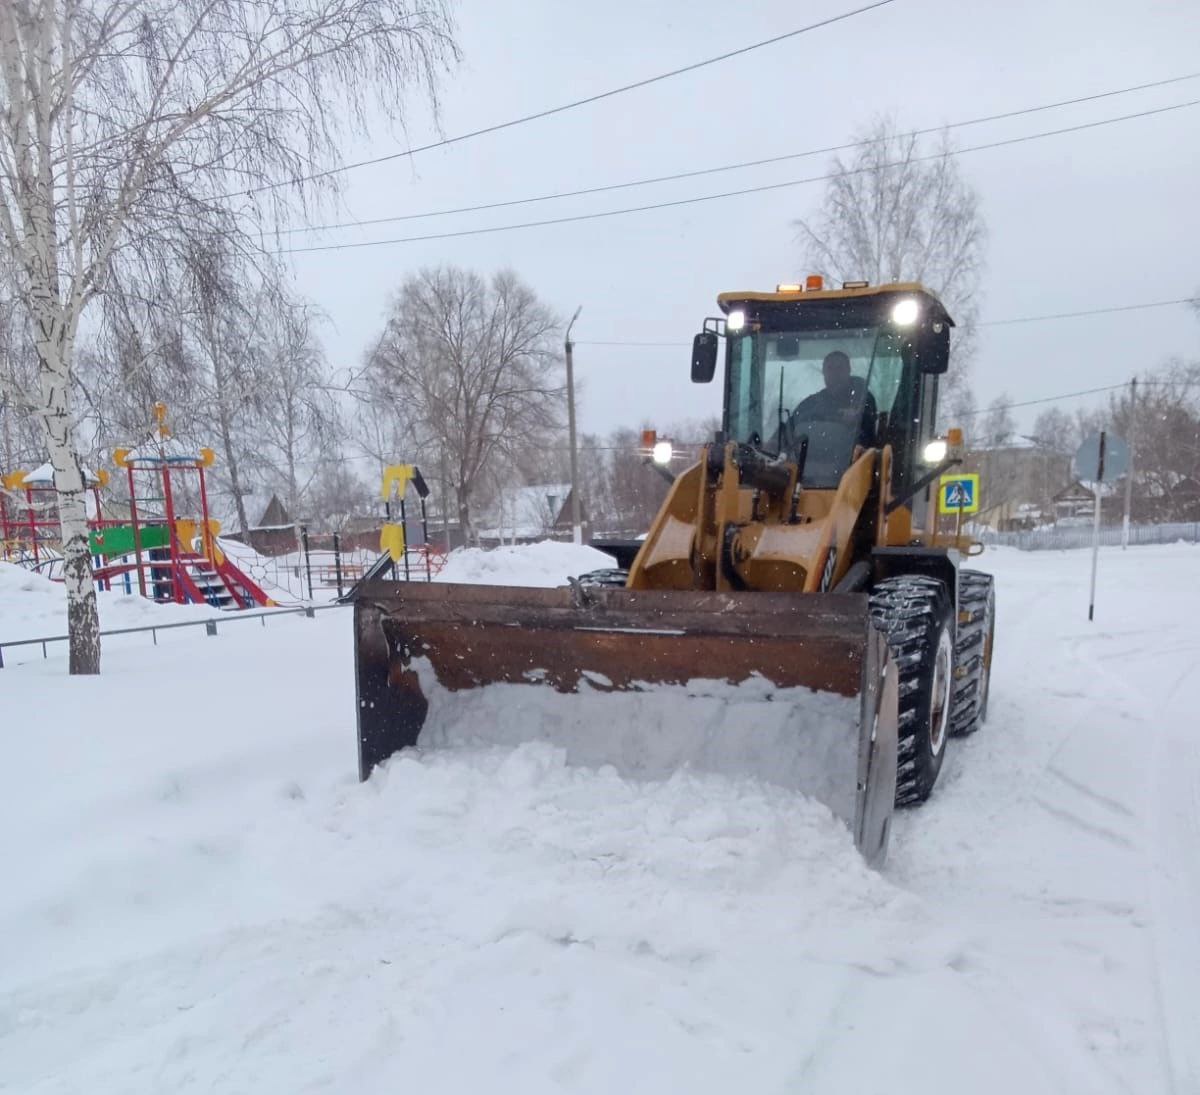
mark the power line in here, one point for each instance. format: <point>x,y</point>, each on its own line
<point>679,202</point>
<point>732,166</point>
<point>567,106</point>
<point>1089,312</point>
<point>983,323</point>
<point>1046,399</point>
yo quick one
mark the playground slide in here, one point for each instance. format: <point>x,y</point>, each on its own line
<point>199,580</point>
<point>240,584</point>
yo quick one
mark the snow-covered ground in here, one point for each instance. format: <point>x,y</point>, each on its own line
<point>198,895</point>
<point>32,606</point>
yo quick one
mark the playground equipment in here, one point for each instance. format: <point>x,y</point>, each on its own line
<point>396,552</point>
<point>396,480</point>
<point>169,544</point>
<point>176,555</point>
<point>30,534</point>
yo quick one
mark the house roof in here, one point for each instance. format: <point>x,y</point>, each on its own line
<point>525,512</point>
<point>275,515</point>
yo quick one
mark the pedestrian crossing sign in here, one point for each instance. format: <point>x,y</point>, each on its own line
<point>958,494</point>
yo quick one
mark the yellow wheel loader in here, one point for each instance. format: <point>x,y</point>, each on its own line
<point>792,613</point>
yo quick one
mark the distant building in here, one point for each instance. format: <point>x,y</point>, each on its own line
<point>1074,504</point>
<point>525,514</point>
<point>274,533</point>
<point>1017,484</point>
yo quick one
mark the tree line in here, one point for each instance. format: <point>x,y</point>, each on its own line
<point>151,155</point>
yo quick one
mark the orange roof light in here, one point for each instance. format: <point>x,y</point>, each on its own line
<point>814,283</point>
<point>649,438</point>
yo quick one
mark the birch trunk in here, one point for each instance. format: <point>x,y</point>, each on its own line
<point>83,618</point>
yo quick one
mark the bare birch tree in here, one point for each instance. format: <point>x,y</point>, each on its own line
<point>999,427</point>
<point>226,322</point>
<point>299,429</point>
<point>19,438</point>
<point>471,367</point>
<point>116,116</point>
<point>898,210</point>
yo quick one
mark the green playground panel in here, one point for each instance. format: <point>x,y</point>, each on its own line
<point>118,540</point>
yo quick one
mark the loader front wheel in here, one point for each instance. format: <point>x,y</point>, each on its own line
<point>916,616</point>
<point>973,651</point>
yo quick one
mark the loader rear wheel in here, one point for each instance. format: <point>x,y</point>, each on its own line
<point>973,651</point>
<point>916,616</point>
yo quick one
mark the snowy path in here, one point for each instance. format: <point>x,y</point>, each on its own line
<point>1049,831</point>
<point>199,897</point>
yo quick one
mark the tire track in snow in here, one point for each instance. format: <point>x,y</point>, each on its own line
<point>1152,680</point>
<point>1176,886</point>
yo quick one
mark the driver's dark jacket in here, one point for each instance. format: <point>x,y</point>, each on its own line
<point>824,406</point>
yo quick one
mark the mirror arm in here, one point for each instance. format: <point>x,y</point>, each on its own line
<point>922,483</point>
<point>665,472</point>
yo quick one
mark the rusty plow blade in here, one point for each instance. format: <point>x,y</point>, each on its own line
<point>796,690</point>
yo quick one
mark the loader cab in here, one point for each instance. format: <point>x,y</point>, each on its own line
<point>823,374</point>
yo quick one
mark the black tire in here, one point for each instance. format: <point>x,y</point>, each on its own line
<point>973,651</point>
<point>916,615</point>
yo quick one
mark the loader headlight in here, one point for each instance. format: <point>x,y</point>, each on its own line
<point>662,452</point>
<point>935,451</point>
<point>905,313</point>
<point>735,321</point>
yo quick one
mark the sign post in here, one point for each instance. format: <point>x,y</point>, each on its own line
<point>1096,525</point>
<point>1102,458</point>
<point>957,495</point>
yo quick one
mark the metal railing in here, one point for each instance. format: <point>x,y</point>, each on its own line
<point>209,624</point>
<point>1059,538</point>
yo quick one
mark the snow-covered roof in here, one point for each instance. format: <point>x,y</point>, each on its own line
<point>43,476</point>
<point>1017,443</point>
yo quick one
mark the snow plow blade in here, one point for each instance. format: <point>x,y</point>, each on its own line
<point>797,690</point>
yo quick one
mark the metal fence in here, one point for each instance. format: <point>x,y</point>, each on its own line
<point>210,626</point>
<point>1062,538</point>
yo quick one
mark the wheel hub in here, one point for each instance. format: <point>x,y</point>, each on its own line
<point>939,700</point>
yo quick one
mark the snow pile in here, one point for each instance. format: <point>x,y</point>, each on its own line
<point>33,607</point>
<point>793,737</point>
<point>547,563</point>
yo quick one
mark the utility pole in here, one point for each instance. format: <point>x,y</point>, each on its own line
<point>569,346</point>
<point>1129,472</point>
<point>1098,486</point>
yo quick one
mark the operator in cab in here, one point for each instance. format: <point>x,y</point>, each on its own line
<point>844,399</point>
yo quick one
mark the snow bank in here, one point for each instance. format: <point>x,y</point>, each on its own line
<point>548,563</point>
<point>33,607</point>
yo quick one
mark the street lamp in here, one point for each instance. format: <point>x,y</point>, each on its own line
<point>568,346</point>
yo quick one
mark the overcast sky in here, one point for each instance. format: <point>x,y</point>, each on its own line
<point>1100,218</point>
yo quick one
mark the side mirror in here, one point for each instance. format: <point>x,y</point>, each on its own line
<point>704,357</point>
<point>933,349</point>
